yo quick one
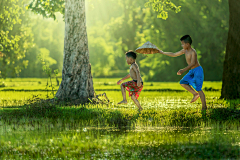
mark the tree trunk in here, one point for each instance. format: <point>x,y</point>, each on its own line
<point>231,68</point>
<point>76,74</point>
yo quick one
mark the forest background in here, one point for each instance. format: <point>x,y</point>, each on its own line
<point>114,27</point>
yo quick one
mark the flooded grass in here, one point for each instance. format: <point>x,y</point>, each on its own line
<point>50,142</point>
<point>169,127</point>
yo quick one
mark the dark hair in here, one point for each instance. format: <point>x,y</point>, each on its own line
<point>131,54</point>
<point>186,39</point>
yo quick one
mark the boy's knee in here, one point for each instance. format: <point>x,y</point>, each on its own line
<point>183,84</point>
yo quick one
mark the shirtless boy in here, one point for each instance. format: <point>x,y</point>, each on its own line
<point>135,86</point>
<point>194,78</point>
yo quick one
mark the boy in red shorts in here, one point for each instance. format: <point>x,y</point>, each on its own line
<point>135,86</point>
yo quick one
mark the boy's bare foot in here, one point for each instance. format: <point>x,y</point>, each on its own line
<point>196,96</point>
<point>123,102</point>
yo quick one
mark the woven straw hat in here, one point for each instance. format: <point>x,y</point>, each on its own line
<point>147,48</point>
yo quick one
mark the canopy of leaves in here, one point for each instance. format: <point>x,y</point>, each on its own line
<point>47,8</point>
<point>162,7</point>
<point>15,37</point>
<point>116,26</point>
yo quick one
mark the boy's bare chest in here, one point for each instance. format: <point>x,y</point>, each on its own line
<point>132,73</point>
<point>188,57</point>
<point>131,70</point>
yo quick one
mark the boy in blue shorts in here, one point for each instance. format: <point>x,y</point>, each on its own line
<point>194,78</point>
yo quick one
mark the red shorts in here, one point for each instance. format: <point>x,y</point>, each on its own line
<point>132,88</point>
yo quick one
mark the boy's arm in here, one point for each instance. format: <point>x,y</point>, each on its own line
<point>126,77</point>
<point>179,53</point>
<point>135,68</point>
<point>193,62</point>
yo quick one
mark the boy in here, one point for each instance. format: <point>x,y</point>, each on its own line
<point>135,86</point>
<point>194,78</point>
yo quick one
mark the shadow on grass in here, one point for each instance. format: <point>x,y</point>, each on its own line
<point>68,112</point>
<point>119,118</point>
<point>222,114</point>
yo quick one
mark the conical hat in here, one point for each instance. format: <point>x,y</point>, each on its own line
<point>147,48</point>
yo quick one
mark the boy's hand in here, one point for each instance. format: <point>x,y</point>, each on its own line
<point>159,51</point>
<point>180,72</point>
<point>119,82</point>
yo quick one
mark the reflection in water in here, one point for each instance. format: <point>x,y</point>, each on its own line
<point>112,143</point>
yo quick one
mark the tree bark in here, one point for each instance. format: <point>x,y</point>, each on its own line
<point>231,68</point>
<point>76,74</point>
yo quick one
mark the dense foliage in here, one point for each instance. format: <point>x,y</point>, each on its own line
<point>126,25</point>
<point>15,37</point>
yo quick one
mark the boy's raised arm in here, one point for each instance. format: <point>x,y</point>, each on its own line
<point>126,77</point>
<point>179,53</point>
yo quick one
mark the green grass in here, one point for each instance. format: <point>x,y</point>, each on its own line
<point>37,84</point>
<point>169,127</point>
<point>97,143</point>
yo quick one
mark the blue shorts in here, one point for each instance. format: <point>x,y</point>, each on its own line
<point>194,78</point>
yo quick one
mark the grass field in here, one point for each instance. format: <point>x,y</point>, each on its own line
<point>169,127</point>
<point>34,84</point>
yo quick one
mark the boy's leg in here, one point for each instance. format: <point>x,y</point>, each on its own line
<point>190,89</point>
<point>203,100</point>
<point>136,102</point>
<point>123,94</point>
